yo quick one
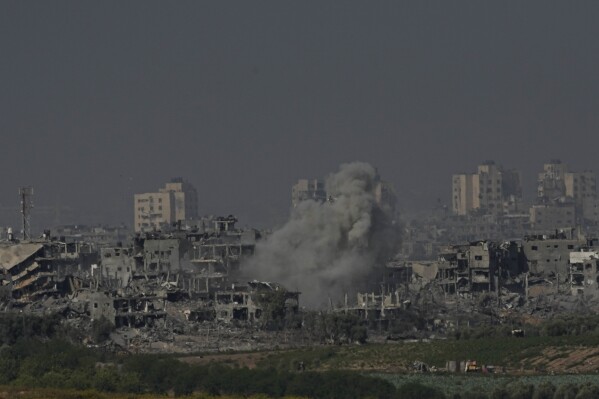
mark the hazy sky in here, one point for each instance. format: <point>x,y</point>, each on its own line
<point>103,99</point>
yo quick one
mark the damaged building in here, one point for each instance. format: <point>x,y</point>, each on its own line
<point>584,272</point>
<point>131,285</point>
<point>244,303</point>
<point>550,254</point>
<point>34,270</point>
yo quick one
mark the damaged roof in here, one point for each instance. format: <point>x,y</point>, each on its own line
<point>12,255</point>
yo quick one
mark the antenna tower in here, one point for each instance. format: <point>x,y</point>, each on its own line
<point>26,197</point>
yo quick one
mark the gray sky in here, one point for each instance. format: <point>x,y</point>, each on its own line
<point>103,99</point>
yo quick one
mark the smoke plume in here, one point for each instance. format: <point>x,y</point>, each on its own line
<point>331,248</point>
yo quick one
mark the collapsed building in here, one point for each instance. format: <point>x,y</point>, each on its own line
<point>472,282</point>
<point>181,273</point>
<point>32,270</point>
<point>584,272</point>
<point>160,280</point>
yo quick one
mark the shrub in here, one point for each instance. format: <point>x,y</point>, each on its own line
<point>416,390</point>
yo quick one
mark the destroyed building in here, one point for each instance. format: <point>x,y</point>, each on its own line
<point>550,254</point>
<point>157,285</point>
<point>124,311</point>
<point>33,270</point>
<point>584,273</point>
<point>243,302</point>
<point>476,266</point>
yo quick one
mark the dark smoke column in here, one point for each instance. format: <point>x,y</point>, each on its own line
<point>327,249</point>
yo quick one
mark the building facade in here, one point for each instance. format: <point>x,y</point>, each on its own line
<point>177,201</point>
<point>306,189</point>
<point>491,190</point>
<point>560,188</point>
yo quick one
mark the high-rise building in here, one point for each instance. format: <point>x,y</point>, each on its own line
<point>551,181</point>
<point>177,201</point>
<point>491,190</point>
<point>559,186</point>
<point>186,198</point>
<point>465,193</point>
<point>306,189</point>
<point>385,198</point>
<point>580,186</point>
<point>384,194</point>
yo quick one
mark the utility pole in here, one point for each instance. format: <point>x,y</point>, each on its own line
<point>26,197</point>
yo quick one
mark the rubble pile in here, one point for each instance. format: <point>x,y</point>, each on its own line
<point>171,292</point>
<point>179,291</point>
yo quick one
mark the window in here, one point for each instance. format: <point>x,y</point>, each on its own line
<point>570,246</point>
<point>534,248</point>
<point>478,257</point>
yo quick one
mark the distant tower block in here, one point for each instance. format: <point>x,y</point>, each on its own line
<point>26,197</point>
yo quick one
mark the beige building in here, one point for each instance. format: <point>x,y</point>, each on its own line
<point>464,187</point>
<point>491,190</point>
<point>178,200</point>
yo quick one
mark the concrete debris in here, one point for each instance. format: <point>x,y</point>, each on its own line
<point>179,291</point>
<point>172,291</point>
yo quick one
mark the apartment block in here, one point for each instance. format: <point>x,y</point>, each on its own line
<point>306,189</point>
<point>176,201</point>
<point>491,190</point>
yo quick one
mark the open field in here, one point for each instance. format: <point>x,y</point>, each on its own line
<point>529,355</point>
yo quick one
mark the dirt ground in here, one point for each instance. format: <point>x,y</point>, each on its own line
<point>568,360</point>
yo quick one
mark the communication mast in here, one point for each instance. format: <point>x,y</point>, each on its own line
<point>26,197</point>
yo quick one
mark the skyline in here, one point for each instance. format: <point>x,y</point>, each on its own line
<point>51,212</point>
<point>103,100</point>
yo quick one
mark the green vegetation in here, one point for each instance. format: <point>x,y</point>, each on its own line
<point>487,344</point>
<point>36,353</point>
<point>505,351</point>
<point>52,393</point>
<point>15,326</point>
<point>562,325</point>
<point>490,385</point>
<point>57,364</point>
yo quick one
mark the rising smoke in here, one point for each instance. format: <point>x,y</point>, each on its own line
<point>331,248</point>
